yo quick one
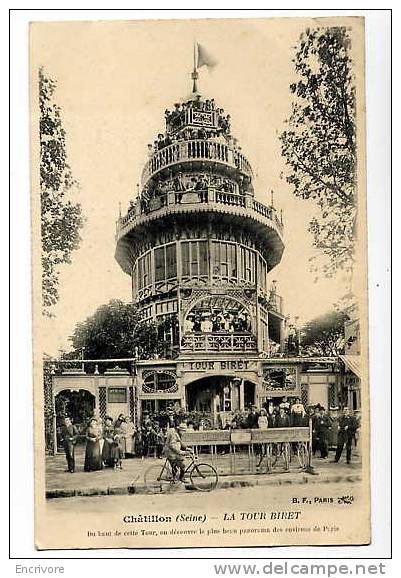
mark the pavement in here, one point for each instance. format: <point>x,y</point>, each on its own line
<point>130,480</point>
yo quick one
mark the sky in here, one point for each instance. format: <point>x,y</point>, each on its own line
<point>115,79</point>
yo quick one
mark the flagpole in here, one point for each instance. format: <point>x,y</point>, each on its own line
<point>195,72</point>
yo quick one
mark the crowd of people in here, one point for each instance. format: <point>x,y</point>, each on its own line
<point>182,183</point>
<point>108,442</point>
<point>105,442</point>
<point>176,119</point>
<point>224,322</point>
<point>173,117</point>
<point>186,134</point>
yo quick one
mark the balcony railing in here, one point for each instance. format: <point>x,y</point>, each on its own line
<point>213,342</point>
<point>195,150</point>
<point>208,196</point>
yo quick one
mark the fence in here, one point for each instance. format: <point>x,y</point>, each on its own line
<point>252,450</point>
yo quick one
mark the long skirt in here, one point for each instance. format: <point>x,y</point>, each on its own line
<point>93,457</point>
<point>107,454</point>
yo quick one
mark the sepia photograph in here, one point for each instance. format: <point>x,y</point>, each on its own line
<point>200,323</point>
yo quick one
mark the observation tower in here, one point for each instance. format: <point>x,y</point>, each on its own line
<point>200,251</point>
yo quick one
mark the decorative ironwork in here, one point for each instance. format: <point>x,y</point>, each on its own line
<point>282,378</point>
<point>159,381</point>
<point>304,394</point>
<point>132,404</point>
<point>49,417</point>
<point>332,395</point>
<point>148,372</point>
<point>186,293</point>
<point>213,342</point>
<point>102,402</point>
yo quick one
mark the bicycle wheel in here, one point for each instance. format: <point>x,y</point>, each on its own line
<point>203,477</point>
<point>303,455</point>
<point>156,479</point>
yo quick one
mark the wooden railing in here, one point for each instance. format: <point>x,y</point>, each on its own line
<point>195,150</point>
<point>244,451</point>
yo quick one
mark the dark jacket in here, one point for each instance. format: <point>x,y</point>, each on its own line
<point>282,421</point>
<point>252,421</point>
<point>347,425</point>
<point>322,425</point>
<point>69,435</point>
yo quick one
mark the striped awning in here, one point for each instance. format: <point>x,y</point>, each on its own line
<point>353,363</point>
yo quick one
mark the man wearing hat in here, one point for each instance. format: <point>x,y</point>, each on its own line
<point>175,451</point>
<point>347,426</point>
<point>322,427</point>
<point>69,436</point>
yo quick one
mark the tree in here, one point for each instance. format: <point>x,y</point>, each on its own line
<point>61,219</point>
<point>319,144</point>
<point>116,330</point>
<point>324,335</point>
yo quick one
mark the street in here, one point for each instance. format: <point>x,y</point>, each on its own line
<point>223,500</point>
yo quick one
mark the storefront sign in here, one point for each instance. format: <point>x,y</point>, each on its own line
<point>221,365</point>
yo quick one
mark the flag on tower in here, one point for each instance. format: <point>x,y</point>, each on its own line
<point>205,58</point>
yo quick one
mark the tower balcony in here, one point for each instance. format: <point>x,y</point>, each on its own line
<point>196,152</point>
<point>218,208</point>
<point>216,343</point>
<point>188,201</point>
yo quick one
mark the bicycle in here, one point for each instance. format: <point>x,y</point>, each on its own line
<point>203,477</point>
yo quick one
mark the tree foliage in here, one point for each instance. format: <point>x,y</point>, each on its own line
<point>61,219</point>
<point>116,330</point>
<point>324,335</point>
<point>319,143</point>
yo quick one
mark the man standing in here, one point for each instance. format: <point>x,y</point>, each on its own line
<point>252,418</point>
<point>347,426</point>
<point>175,451</point>
<point>69,436</point>
<point>333,435</point>
<point>322,428</point>
<point>282,419</point>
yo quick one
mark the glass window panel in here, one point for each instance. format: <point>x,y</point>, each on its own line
<point>171,261</point>
<point>202,258</point>
<point>185,258</point>
<point>216,258</point>
<point>194,258</point>
<point>233,261</point>
<point>140,272</point>
<point>160,269</point>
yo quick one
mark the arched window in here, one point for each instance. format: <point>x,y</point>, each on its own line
<point>218,314</point>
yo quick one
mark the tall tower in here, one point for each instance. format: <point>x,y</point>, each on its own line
<point>200,250</point>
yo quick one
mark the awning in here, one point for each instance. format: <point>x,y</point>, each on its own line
<point>353,363</point>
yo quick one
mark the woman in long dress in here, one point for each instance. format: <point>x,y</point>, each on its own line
<point>108,435</point>
<point>93,457</point>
